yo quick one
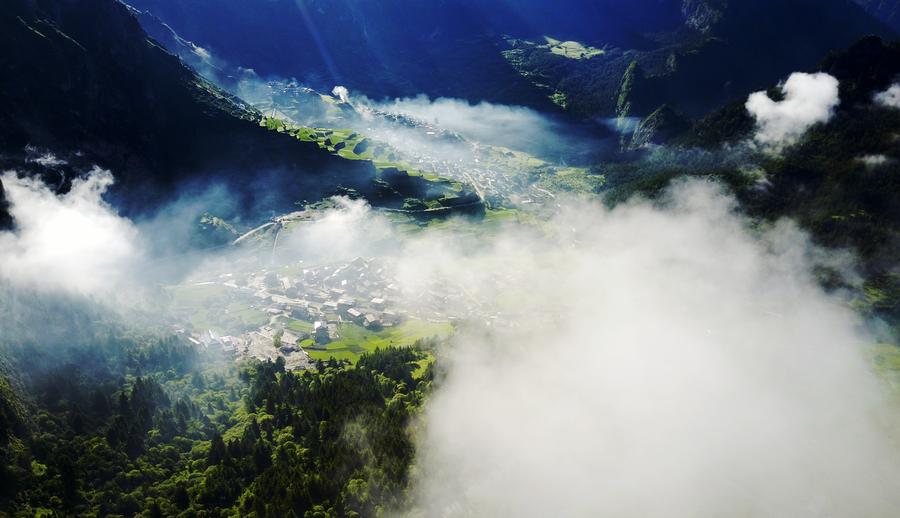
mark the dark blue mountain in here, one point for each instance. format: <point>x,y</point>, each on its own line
<point>694,54</point>
<point>885,10</point>
<point>115,98</point>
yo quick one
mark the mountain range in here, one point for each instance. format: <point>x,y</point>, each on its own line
<point>588,58</point>
<point>116,98</point>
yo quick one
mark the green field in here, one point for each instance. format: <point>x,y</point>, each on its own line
<point>355,340</point>
<point>212,306</point>
<point>300,326</point>
<point>572,49</point>
<point>886,360</point>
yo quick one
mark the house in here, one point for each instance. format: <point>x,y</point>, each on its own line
<point>378,303</point>
<point>372,321</point>
<point>390,317</point>
<point>320,332</point>
<point>355,315</point>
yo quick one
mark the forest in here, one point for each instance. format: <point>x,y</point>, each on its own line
<point>141,426</point>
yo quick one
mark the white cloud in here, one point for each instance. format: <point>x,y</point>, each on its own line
<point>873,161</point>
<point>72,242</point>
<point>349,230</point>
<point>889,98</point>
<point>514,127</point>
<point>341,93</point>
<point>649,362</point>
<point>809,99</point>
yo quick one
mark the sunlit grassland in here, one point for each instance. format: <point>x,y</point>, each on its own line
<point>572,49</point>
<point>356,340</point>
<point>212,306</point>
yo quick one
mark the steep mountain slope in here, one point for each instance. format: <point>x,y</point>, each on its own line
<point>116,98</point>
<point>694,55</point>
<point>391,48</point>
<point>723,50</point>
<point>885,10</point>
<point>840,181</point>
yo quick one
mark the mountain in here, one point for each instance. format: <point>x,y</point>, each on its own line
<point>722,50</point>
<point>694,55</point>
<point>839,182</point>
<point>885,10</point>
<point>116,98</point>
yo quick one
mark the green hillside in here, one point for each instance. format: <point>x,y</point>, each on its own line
<point>823,182</point>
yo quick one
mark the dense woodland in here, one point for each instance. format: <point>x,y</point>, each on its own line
<point>155,427</point>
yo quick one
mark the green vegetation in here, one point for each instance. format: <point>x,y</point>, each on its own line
<point>216,307</point>
<point>397,186</point>
<point>822,182</point>
<point>572,49</point>
<point>355,340</point>
<point>154,427</point>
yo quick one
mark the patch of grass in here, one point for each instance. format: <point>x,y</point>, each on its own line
<point>355,340</point>
<point>886,360</point>
<point>300,326</point>
<point>572,49</point>
<point>423,365</point>
<point>213,306</point>
<point>190,296</point>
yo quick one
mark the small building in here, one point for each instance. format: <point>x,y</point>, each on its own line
<point>320,332</point>
<point>355,315</point>
<point>390,317</point>
<point>378,303</point>
<point>372,321</point>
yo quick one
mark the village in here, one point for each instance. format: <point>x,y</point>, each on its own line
<point>306,308</point>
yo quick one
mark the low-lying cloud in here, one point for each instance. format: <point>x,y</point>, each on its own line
<point>889,98</point>
<point>651,362</point>
<point>809,99</point>
<point>515,127</point>
<point>73,242</point>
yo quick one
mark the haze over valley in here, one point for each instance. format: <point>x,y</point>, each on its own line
<point>392,258</point>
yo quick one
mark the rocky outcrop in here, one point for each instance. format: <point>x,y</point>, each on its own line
<point>703,15</point>
<point>887,11</point>
<point>658,127</point>
<point>6,221</point>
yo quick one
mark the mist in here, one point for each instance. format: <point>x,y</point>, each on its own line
<point>650,361</point>
<point>670,349</point>
<point>889,98</point>
<point>74,243</point>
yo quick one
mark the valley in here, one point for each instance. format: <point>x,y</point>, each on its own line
<point>393,258</point>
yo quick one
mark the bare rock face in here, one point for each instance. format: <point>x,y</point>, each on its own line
<point>703,15</point>
<point>887,11</point>
<point>6,221</point>
<point>658,127</point>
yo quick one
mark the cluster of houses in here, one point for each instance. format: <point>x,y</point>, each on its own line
<point>305,309</point>
<point>327,295</point>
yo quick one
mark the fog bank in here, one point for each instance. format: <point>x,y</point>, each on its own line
<point>654,362</point>
<point>74,242</point>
